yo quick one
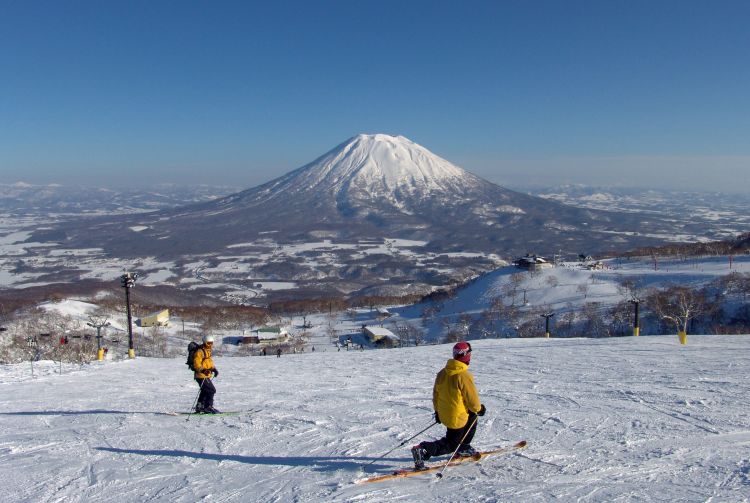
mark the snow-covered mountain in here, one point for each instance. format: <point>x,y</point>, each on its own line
<point>388,169</point>
<point>376,186</point>
<point>376,215</point>
<point>723,215</point>
<point>62,201</point>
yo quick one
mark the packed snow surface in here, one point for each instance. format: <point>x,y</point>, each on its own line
<point>626,419</point>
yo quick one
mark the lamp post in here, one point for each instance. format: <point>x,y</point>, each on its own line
<point>636,324</point>
<point>127,281</point>
<point>546,317</point>
<point>31,342</point>
<point>98,325</point>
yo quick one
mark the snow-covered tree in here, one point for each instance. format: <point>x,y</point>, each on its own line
<point>678,305</point>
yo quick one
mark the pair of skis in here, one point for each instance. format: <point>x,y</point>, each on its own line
<point>438,467</point>
<point>219,414</point>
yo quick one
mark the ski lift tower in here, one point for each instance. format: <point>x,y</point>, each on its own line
<point>546,317</point>
<point>127,281</point>
<point>636,318</point>
<point>98,324</point>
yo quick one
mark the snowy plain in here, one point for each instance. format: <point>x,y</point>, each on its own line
<point>622,419</point>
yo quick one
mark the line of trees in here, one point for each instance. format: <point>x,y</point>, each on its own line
<point>47,335</point>
<point>719,307</point>
<point>738,245</point>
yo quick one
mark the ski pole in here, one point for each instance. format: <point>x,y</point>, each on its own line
<point>440,474</point>
<point>399,445</point>
<point>196,400</point>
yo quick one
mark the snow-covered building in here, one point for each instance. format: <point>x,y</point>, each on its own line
<point>595,266</point>
<point>532,262</point>
<point>380,335</point>
<point>157,319</point>
<point>267,335</point>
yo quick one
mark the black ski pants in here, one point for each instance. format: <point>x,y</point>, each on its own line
<point>452,439</point>
<point>206,396</point>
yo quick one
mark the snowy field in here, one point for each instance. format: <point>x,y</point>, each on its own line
<point>627,419</point>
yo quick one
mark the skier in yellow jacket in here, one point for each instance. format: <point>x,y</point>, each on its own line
<point>204,370</point>
<point>457,405</point>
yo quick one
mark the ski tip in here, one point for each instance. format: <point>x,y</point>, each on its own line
<point>521,444</point>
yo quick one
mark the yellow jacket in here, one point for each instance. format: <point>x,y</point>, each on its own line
<point>454,395</point>
<point>202,363</point>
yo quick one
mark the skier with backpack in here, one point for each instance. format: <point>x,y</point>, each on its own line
<point>456,404</point>
<point>200,362</point>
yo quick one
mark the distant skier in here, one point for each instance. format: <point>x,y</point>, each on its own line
<point>457,405</point>
<point>204,370</point>
<point>278,353</point>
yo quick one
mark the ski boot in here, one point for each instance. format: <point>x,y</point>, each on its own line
<point>419,454</point>
<point>210,410</point>
<point>466,451</point>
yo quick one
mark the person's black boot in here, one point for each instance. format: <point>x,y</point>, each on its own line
<point>466,451</point>
<point>419,454</point>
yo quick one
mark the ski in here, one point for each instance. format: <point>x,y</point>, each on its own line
<point>225,413</point>
<point>435,467</point>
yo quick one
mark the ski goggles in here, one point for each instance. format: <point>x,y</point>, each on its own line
<point>462,351</point>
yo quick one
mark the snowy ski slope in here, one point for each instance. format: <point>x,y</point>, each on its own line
<point>626,419</point>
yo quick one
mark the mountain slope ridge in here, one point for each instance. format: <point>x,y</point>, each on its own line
<point>371,187</point>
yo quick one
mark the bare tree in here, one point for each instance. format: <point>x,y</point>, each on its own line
<point>465,322</point>
<point>622,318</point>
<point>402,329</point>
<point>678,305</point>
<point>156,340</point>
<point>409,333</point>
<point>510,289</point>
<point>593,322</point>
<point>429,312</point>
<point>331,331</point>
<point>631,288</point>
<point>529,326</point>
<point>583,289</point>
<point>567,322</point>
<point>453,334</point>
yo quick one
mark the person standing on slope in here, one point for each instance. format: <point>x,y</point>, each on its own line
<point>204,370</point>
<point>457,405</point>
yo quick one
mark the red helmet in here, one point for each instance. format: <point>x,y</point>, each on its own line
<point>462,352</point>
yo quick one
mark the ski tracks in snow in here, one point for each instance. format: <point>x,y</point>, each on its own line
<point>627,419</point>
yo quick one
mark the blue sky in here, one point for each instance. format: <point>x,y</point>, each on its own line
<point>636,93</point>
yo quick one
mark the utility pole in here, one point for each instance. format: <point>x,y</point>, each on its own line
<point>31,342</point>
<point>127,281</point>
<point>636,323</point>
<point>98,324</point>
<point>546,317</point>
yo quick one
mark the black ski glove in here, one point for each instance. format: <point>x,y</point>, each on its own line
<point>437,418</point>
<point>216,372</point>
<point>482,411</point>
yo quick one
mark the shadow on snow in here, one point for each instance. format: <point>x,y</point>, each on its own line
<point>80,412</point>
<point>322,463</point>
